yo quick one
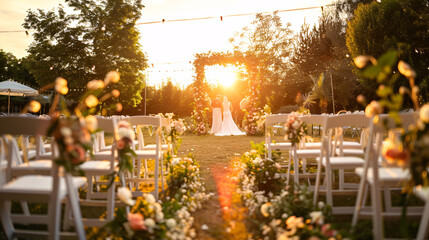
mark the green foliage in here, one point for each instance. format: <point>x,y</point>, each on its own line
<point>97,38</point>
<point>399,25</point>
<point>321,50</point>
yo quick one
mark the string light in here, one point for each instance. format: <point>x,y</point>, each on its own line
<point>196,19</point>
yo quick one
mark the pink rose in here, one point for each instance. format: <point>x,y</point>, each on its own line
<point>136,221</point>
<point>120,144</point>
<point>79,154</point>
<point>326,230</point>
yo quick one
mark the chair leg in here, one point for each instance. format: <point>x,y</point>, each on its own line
<point>377,220</point>
<point>67,216</point>
<point>24,206</point>
<point>156,177</point>
<point>296,169</point>
<point>424,224</point>
<point>329,174</point>
<point>73,199</point>
<point>5,219</point>
<point>387,199</point>
<point>317,183</point>
<point>341,179</point>
<point>54,210</point>
<point>162,173</point>
<point>288,167</point>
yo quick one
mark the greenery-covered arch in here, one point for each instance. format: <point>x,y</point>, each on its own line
<point>202,103</point>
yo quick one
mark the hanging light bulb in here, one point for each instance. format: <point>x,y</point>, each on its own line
<point>103,28</point>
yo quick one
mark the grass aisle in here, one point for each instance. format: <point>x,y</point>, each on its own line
<point>214,154</point>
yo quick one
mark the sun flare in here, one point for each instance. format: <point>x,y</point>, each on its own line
<point>225,76</point>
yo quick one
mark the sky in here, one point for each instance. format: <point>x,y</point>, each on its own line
<point>170,46</point>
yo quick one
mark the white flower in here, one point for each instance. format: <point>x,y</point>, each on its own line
<point>150,198</point>
<point>124,194</point>
<point>126,132</point>
<point>159,216</point>
<point>424,113</point>
<point>175,161</point>
<point>171,223</point>
<point>295,125</point>
<point>321,204</point>
<point>149,222</point>
<point>317,217</point>
<point>66,132</point>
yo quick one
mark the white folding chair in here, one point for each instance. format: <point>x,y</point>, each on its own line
<point>103,163</point>
<point>156,154</point>
<point>377,177</point>
<point>270,122</point>
<point>36,188</point>
<point>302,153</point>
<point>329,162</point>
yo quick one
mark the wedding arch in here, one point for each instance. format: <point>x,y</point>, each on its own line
<point>200,85</point>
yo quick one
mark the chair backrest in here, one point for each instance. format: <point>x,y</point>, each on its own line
<point>20,125</point>
<point>343,120</point>
<point>314,119</point>
<point>106,124</point>
<point>276,118</point>
<point>154,121</point>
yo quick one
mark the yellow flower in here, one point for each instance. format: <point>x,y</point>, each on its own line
<point>265,209</point>
<point>34,106</point>
<point>406,70</point>
<point>118,107</point>
<point>111,76</point>
<point>424,113</point>
<point>61,85</point>
<point>91,123</point>
<point>95,84</point>
<point>91,101</point>
<point>361,61</point>
<point>374,108</point>
<point>115,93</point>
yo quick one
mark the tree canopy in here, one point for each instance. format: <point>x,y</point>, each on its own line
<point>99,36</point>
<point>399,25</point>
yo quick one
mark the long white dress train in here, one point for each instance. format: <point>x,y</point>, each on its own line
<point>228,125</point>
<point>217,120</point>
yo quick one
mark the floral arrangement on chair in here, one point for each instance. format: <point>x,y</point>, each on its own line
<point>72,131</point>
<point>294,128</point>
<point>124,146</point>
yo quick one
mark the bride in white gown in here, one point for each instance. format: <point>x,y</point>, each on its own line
<point>228,125</point>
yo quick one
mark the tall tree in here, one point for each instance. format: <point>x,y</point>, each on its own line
<point>99,36</point>
<point>393,24</point>
<point>271,41</point>
<point>12,68</point>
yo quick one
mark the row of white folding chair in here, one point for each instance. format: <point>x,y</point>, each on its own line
<point>155,154</point>
<point>381,178</point>
<point>36,188</point>
<point>306,149</point>
<point>329,161</point>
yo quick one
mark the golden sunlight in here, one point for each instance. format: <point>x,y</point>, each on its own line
<point>226,76</point>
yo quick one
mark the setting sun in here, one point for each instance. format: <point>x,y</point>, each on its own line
<point>226,76</point>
